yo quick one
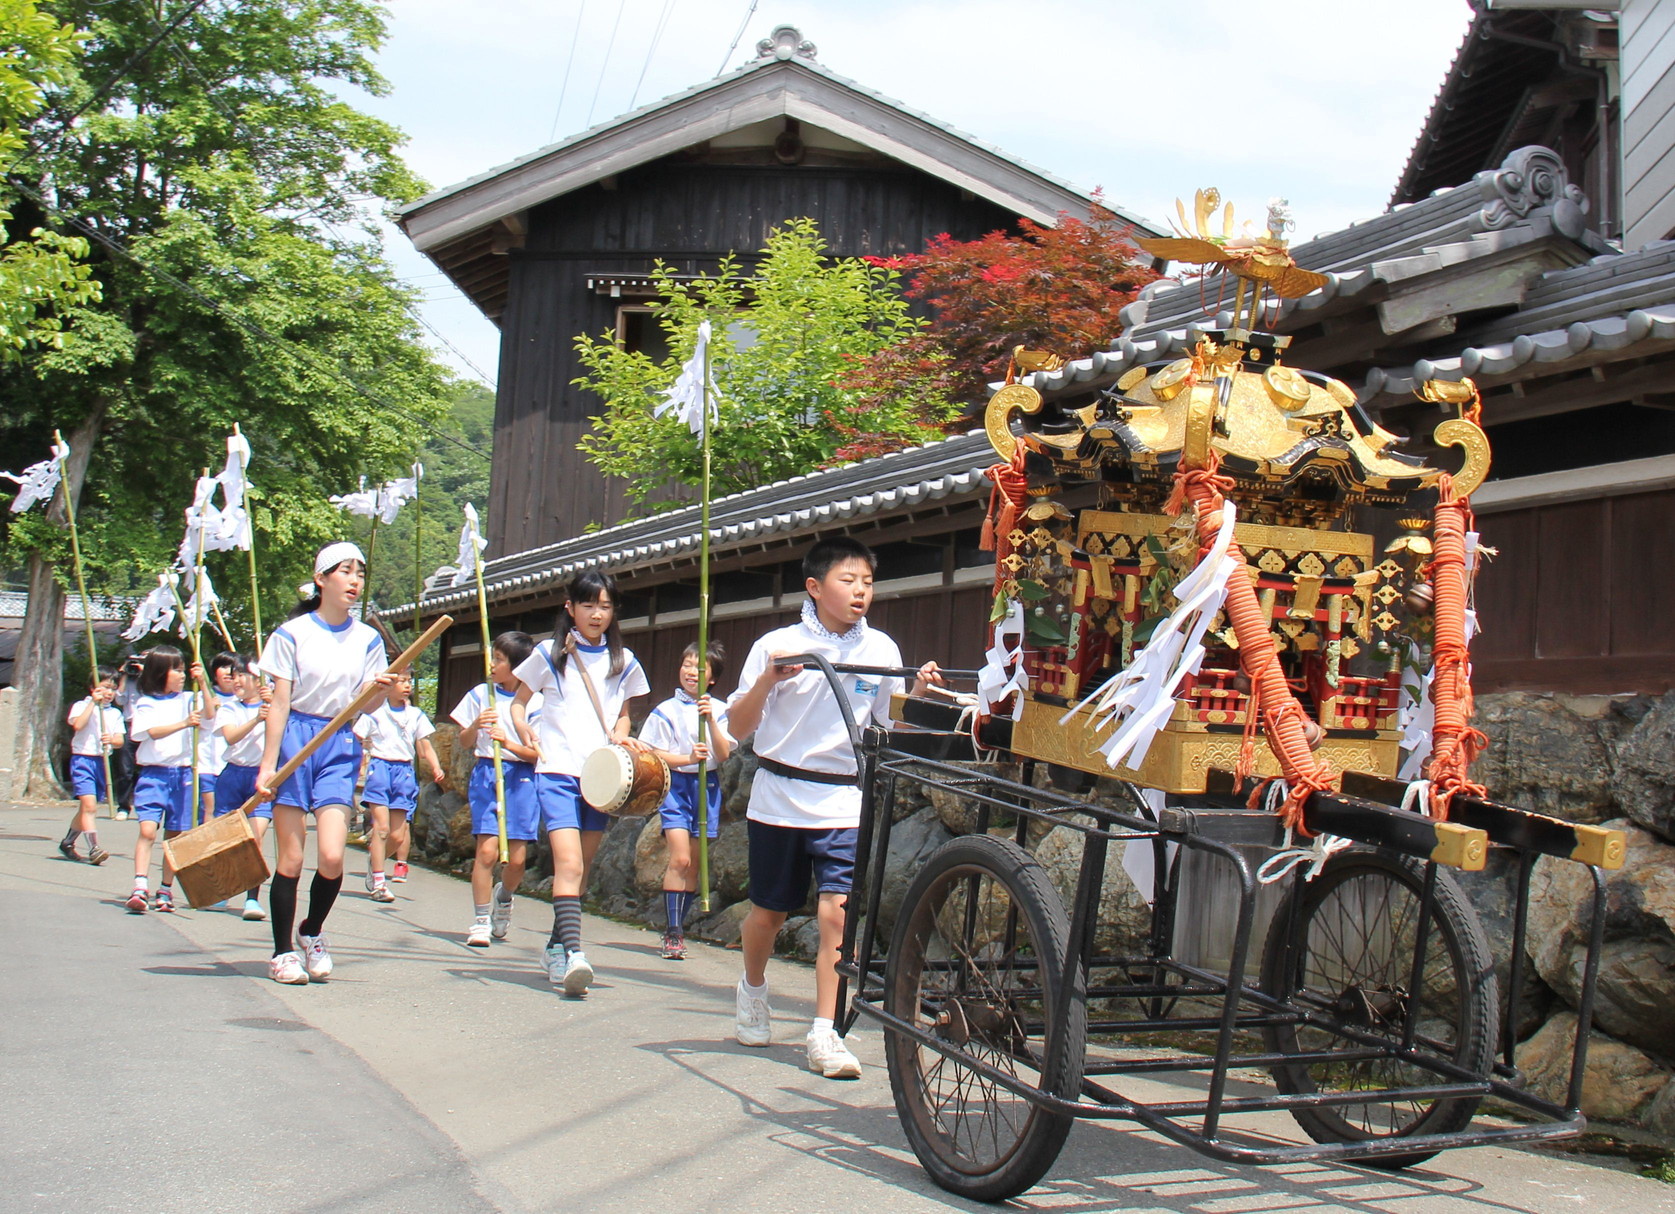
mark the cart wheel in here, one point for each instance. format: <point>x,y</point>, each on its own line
<point>977,961</point>
<point>1341,948</point>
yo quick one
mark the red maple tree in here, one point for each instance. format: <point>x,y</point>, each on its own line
<point>1057,288</point>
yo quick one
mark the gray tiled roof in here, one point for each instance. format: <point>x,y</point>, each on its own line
<point>951,469</point>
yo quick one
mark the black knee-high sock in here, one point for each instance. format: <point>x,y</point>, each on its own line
<point>282,907</point>
<point>321,894</point>
<point>674,909</point>
<point>567,922</point>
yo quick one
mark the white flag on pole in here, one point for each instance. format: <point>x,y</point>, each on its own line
<point>234,528</point>
<point>199,606</point>
<point>156,610</point>
<point>471,545</point>
<point>393,495</point>
<point>363,501</point>
<point>203,522</point>
<point>686,400</point>
<point>38,482</point>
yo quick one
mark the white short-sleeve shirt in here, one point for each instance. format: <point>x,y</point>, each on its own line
<point>673,727</point>
<point>107,719</point>
<point>394,735</point>
<point>570,729</point>
<point>470,707</point>
<point>247,751</point>
<point>802,726</point>
<point>212,747</point>
<point>175,750</point>
<point>327,665</point>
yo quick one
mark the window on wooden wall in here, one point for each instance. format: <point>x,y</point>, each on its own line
<point>637,331</point>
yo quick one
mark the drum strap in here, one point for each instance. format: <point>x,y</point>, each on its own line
<point>803,773</point>
<point>587,681</point>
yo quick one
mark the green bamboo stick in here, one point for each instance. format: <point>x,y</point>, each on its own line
<point>704,648</point>
<point>255,593</point>
<point>488,685</point>
<point>87,622</point>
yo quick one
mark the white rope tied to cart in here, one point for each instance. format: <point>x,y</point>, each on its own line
<point>1285,861</point>
<point>1417,797</point>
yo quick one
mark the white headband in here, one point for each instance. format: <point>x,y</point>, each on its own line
<point>333,555</point>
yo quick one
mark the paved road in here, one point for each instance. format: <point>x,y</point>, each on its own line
<point>146,1062</point>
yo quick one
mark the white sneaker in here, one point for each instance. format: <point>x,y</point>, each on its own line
<point>752,1027</point>
<point>253,910</point>
<point>500,914</point>
<point>478,936</point>
<point>287,968</point>
<point>552,960</point>
<point>319,956</point>
<point>381,893</point>
<point>578,975</point>
<point>373,881</point>
<point>830,1057</point>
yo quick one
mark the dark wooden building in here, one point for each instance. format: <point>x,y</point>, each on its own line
<point>563,241</point>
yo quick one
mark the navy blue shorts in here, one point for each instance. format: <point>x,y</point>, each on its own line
<point>236,785</point>
<point>328,777</point>
<point>392,783</point>
<point>680,808</point>
<point>87,776</point>
<point>164,794</point>
<point>523,807</point>
<point>784,858</point>
<point>562,807</point>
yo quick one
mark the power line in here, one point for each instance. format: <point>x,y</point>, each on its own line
<point>656,37</point>
<point>569,62</point>
<point>749,13</point>
<point>605,63</point>
<point>249,326</point>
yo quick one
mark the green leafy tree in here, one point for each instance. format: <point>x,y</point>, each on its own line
<point>785,334</point>
<point>225,188</point>
<point>43,272</point>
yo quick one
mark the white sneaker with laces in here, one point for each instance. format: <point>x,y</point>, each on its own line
<point>500,914</point>
<point>478,935</point>
<point>319,956</point>
<point>381,893</point>
<point>287,968</point>
<point>752,1027</point>
<point>372,881</point>
<point>830,1057</point>
<point>253,910</point>
<point>578,974</point>
<point>552,960</point>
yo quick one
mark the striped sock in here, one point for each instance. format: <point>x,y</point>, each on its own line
<point>675,909</point>
<point>567,922</point>
<point>686,899</point>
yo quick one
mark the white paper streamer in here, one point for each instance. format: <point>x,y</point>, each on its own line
<point>38,482</point>
<point>464,568</point>
<point>363,501</point>
<point>993,683</point>
<point>687,398</point>
<point>156,610</point>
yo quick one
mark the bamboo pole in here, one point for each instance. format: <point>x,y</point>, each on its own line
<point>198,662</point>
<point>221,625</point>
<point>87,622</point>
<point>704,650</point>
<point>488,686</point>
<point>255,594</point>
<point>418,566</point>
<point>371,543</point>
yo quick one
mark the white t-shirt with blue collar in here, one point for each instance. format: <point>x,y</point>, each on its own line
<point>470,707</point>
<point>569,729</point>
<point>327,664</point>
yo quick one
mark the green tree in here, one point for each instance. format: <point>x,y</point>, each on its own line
<point>43,272</point>
<point>784,336</point>
<point>225,187</point>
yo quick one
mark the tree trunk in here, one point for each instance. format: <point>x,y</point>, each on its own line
<point>40,647</point>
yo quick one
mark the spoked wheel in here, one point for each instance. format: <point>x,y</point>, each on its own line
<point>977,962</point>
<point>1341,948</point>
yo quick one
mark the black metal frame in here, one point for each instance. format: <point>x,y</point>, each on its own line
<point>883,761</point>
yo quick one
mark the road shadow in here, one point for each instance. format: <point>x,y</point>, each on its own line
<point>1103,1167</point>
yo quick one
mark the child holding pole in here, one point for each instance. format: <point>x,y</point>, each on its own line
<point>483,722</point>
<point>164,718</point>
<point>98,727</point>
<point>672,731</point>
<point>320,660</point>
<point>242,727</point>
<point>396,735</point>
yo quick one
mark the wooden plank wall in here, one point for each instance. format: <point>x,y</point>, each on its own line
<point>543,490</point>
<point>1647,32</point>
<point>1580,598</point>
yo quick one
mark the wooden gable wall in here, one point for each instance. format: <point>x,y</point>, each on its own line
<point>690,215</point>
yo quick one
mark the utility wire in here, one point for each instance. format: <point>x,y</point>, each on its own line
<point>249,326</point>
<point>605,63</point>
<point>656,37</point>
<point>569,62</point>
<point>749,13</point>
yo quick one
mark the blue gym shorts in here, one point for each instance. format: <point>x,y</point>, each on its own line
<point>784,858</point>
<point>391,783</point>
<point>328,777</point>
<point>523,807</point>
<point>87,776</point>
<point>562,807</point>
<point>236,785</point>
<point>680,807</point>
<point>164,794</point>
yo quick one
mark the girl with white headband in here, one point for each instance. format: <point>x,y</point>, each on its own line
<point>319,660</point>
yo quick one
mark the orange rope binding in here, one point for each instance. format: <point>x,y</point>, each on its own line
<point>1283,718</point>
<point>1454,742</point>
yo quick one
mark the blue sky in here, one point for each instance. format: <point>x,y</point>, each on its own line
<point>1315,100</point>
